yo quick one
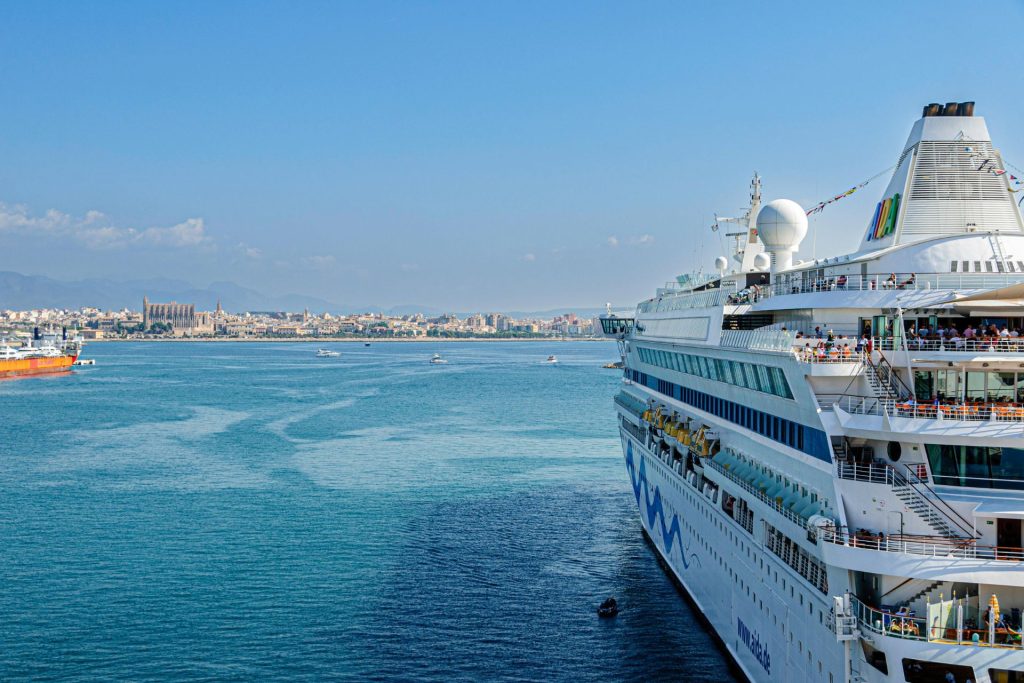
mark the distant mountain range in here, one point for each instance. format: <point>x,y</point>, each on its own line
<point>23,292</point>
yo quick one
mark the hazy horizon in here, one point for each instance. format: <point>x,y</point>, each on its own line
<point>459,156</point>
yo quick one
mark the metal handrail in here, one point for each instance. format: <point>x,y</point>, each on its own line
<point>985,344</point>
<point>884,473</point>
<point>888,624</point>
<point>986,412</point>
<point>901,282</point>
<point>903,625</point>
<point>929,546</point>
<point>912,479</point>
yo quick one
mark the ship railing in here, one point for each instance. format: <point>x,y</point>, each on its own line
<point>904,623</point>
<point>914,544</point>
<point>685,299</point>
<point>982,344</point>
<point>899,625</point>
<point>874,473</point>
<point>858,405</point>
<point>758,493</point>
<point>892,282</point>
<point>973,412</point>
<point>778,341</point>
<point>845,353</point>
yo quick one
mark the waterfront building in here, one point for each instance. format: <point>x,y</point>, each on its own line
<point>183,318</point>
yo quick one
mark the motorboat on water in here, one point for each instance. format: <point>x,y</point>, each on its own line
<point>608,608</point>
<point>327,353</point>
<point>551,360</point>
<point>437,360</point>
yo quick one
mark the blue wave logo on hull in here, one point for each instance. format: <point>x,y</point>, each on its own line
<point>670,532</point>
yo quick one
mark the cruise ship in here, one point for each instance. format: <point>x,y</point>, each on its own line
<point>828,455</point>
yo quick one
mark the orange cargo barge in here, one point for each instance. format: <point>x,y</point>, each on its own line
<point>10,367</point>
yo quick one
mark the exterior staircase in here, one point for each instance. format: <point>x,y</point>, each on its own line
<point>884,381</point>
<point>917,495</point>
<point>926,591</point>
<point>913,500</point>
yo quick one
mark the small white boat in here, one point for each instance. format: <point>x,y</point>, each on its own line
<point>86,361</point>
<point>327,353</point>
<point>551,360</point>
<point>437,360</point>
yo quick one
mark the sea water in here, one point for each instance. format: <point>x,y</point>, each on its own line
<point>247,511</point>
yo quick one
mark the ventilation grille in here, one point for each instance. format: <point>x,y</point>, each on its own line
<point>948,171</point>
<point>953,190</point>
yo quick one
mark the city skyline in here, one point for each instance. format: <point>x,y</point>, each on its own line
<point>454,157</point>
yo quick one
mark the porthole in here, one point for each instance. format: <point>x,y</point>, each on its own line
<point>895,450</point>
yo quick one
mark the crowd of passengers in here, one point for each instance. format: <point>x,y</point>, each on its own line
<point>951,336</point>
<point>823,346</point>
<point>823,284</point>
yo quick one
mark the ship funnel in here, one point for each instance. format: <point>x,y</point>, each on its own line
<point>950,109</point>
<point>781,226</point>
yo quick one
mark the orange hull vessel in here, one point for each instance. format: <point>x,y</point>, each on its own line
<point>35,366</point>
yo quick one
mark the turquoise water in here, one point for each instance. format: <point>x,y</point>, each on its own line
<point>248,511</point>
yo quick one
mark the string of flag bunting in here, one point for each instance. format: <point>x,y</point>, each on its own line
<point>820,206</point>
<point>1016,180</point>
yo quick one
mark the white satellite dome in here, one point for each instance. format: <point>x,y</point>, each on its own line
<point>781,225</point>
<point>721,263</point>
<point>762,261</point>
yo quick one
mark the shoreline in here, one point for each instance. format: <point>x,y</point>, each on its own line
<point>334,340</point>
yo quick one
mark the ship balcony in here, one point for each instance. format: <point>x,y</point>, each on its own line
<point>956,623</point>
<point>942,547</point>
<point>871,417</point>
<point>894,282</point>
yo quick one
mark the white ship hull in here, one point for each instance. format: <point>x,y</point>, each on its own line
<point>684,527</point>
<point>829,455</point>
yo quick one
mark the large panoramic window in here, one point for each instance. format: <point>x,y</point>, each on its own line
<point>769,380</point>
<point>989,387</point>
<point>977,466</point>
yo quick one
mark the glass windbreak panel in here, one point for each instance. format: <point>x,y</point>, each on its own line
<point>1001,386</point>
<point>977,466</point>
<point>924,385</point>
<point>976,386</point>
<point>947,384</point>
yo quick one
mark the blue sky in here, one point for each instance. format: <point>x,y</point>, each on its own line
<point>461,155</point>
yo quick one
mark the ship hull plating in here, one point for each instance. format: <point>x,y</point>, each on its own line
<point>22,367</point>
